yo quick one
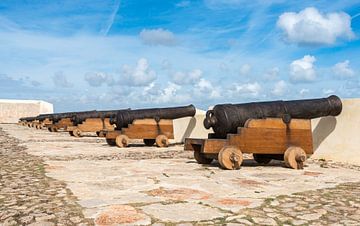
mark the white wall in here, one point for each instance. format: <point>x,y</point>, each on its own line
<point>190,127</point>
<point>338,138</point>
<point>12,110</point>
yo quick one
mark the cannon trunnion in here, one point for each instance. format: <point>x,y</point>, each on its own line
<point>269,130</point>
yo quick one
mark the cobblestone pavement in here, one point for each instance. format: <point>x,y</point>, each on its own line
<point>27,196</point>
<point>144,186</point>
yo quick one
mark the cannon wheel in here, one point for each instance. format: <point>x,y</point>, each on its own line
<point>230,157</point>
<point>295,157</point>
<point>149,142</point>
<point>162,141</point>
<point>122,141</point>
<point>110,142</point>
<point>201,159</point>
<point>261,159</point>
<point>77,132</point>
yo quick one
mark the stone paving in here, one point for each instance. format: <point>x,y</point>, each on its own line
<point>27,196</point>
<point>88,179</point>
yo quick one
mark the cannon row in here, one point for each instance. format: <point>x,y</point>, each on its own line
<point>153,125</point>
<point>278,130</point>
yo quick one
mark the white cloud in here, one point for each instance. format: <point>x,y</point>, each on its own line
<point>343,69</point>
<point>158,37</point>
<point>304,92</point>
<point>310,26</point>
<point>205,87</point>
<point>279,88</point>
<point>252,89</point>
<point>60,80</point>
<point>183,4</point>
<point>272,74</point>
<point>141,75</point>
<point>245,69</point>
<point>172,94</point>
<point>328,91</point>
<point>187,78</point>
<point>96,79</point>
<point>302,70</point>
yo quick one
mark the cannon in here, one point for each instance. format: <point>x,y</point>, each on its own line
<point>93,121</point>
<point>269,130</point>
<point>62,120</point>
<point>27,121</point>
<point>153,125</point>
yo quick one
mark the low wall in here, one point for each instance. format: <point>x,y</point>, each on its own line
<point>337,138</point>
<point>190,127</point>
<point>12,110</point>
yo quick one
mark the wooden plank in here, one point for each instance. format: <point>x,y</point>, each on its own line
<point>278,123</point>
<point>146,131</point>
<point>190,142</point>
<point>213,146</point>
<point>270,140</point>
<point>112,134</point>
<point>152,122</point>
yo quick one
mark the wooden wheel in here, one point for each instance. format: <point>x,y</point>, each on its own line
<point>230,157</point>
<point>295,157</point>
<point>122,141</point>
<point>77,132</point>
<point>162,141</point>
<point>262,159</point>
<point>201,159</point>
<point>111,142</point>
<point>52,129</point>
<point>149,142</point>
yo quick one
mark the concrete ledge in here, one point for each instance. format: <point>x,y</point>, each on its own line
<point>337,138</point>
<point>190,127</point>
<point>12,110</point>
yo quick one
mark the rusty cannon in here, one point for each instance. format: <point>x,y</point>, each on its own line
<point>92,121</point>
<point>153,125</point>
<point>269,130</point>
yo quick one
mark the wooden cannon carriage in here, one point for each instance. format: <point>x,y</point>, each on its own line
<point>62,124</point>
<point>149,130</point>
<point>266,139</point>
<point>150,125</point>
<point>91,125</point>
<point>269,130</point>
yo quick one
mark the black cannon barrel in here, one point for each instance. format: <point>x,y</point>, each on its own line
<point>79,118</point>
<point>27,119</point>
<point>226,118</point>
<point>58,116</point>
<point>125,117</point>
<point>42,117</point>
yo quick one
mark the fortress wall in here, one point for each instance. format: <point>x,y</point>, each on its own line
<point>12,110</point>
<point>190,127</point>
<point>338,138</point>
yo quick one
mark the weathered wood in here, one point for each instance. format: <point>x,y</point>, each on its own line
<point>295,157</point>
<point>92,125</point>
<point>230,157</point>
<point>146,129</point>
<point>265,138</point>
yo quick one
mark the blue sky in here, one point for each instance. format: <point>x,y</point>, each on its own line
<point>83,55</point>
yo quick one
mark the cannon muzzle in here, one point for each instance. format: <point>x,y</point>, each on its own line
<point>226,118</point>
